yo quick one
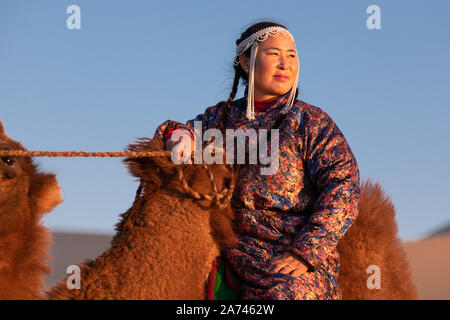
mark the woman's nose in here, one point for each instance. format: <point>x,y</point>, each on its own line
<point>282,64</point>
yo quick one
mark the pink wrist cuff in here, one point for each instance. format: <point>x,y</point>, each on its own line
<point>177,132</point>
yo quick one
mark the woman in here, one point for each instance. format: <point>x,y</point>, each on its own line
<point>289,223</point>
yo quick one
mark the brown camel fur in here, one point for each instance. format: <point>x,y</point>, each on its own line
<point>373,240</point>
<point>26,194</point>
<point>166,242</point>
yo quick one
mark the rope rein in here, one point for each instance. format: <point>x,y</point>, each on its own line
<point>221,199</point>
<point>131,154</point>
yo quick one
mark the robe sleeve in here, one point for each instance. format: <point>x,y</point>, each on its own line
<point>210,119</point>
<point>332,167</point>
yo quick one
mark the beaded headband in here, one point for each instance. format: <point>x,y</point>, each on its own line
<point>252,41</point>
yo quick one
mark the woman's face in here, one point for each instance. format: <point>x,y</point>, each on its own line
<point>276,67</point>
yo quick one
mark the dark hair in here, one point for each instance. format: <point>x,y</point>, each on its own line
<point>238,71</point>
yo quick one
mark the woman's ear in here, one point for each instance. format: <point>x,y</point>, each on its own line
<point>245,62</point>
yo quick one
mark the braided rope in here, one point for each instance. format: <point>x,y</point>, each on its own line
<point>221,199</point>
<point>131,154</point>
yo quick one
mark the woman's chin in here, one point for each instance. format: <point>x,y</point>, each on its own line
<point>281,89</point>
<point>275,90</point>
<point>281,92</point>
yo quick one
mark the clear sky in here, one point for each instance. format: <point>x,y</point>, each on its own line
<point>135,64</point>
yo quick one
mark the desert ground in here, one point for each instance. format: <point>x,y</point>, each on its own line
<point>429,258</point>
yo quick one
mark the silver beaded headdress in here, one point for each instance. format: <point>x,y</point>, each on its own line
<point>253,41</point>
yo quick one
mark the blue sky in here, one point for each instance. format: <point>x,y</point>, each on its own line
<point>135,64</point>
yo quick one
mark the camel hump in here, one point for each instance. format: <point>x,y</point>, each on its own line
<point>373,241</point>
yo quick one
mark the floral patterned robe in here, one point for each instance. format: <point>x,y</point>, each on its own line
<point>304,208</point>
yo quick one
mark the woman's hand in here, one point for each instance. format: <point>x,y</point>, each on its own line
<point>182,145</point>
<point>288,263</point>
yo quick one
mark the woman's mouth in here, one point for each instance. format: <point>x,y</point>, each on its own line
<point>281,77</point>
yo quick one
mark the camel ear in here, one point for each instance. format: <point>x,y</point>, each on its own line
<point>45,192</point>
<point>2,128</point>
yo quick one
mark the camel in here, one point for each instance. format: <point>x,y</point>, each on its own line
<point>26,194</point>
<point>166,243</point>
<point>371,246</point>
<point>164,246</point>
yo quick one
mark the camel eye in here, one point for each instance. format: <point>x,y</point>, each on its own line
<point>8,161</point>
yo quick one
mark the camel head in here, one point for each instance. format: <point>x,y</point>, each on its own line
<point>23,188</point>
<point>162,171</point>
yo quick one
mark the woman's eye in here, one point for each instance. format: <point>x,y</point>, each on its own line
<point>8,161</point>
